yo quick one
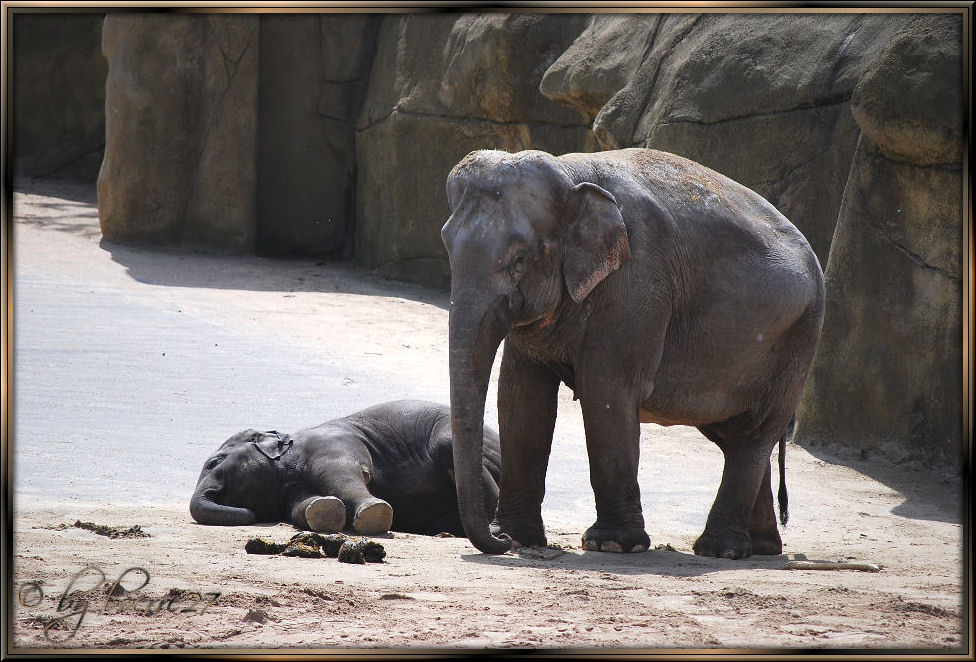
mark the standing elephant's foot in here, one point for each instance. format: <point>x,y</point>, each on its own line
<point>326,514</point>
<point>727,542</point>
<point>602,538</point>
<point>525,535</point>
<point>372,517</point>
<point>767,543</point>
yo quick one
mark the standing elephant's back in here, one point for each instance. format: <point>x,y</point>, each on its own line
<point>703,214</point>
<point>685,187</point>
<point>739,275</point>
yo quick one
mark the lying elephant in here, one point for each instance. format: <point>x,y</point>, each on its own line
<point>389,466</point>
<point>659,291</point>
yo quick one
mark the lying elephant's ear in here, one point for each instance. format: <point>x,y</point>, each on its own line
<point>244,437</point>
<point>597,243</point>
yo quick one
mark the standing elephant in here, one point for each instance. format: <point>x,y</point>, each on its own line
<point>386,467</point>
<point>659,291</point>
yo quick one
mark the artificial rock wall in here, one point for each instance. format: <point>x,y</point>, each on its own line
<point>57,95</point>
<point>888,373</point>
<point>332,134</point>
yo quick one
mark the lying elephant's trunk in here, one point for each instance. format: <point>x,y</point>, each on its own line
<point>207,511</point>
<point>475,333</point>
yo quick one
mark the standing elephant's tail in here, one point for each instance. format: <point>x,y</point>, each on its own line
<point>782,497</point>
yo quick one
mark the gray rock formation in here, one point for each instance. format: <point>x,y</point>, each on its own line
<point>443,85</point>
<point>312,79</point>
<point>181,130</point>
<point>58,99</point>
<point>889,371</point>
<point>762,98</point>
<point>234,132</point>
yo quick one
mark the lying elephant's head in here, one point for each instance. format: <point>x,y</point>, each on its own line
<point>524,236</point>
<point>239,483</point>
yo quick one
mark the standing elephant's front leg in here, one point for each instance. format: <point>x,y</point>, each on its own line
<point>613,380</point>
<point>612,425</point>
<point>527,400</point>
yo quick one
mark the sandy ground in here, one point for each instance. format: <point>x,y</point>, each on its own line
<point>430,592</point>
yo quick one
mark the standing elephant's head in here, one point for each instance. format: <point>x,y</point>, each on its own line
<point>523,237</point>
<point>239,483</point>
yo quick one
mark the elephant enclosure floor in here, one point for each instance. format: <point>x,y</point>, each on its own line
<point>131,366</point>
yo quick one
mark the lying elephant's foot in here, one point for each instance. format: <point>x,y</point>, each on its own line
<point>326,515</point>
<point>373,516</point>
<point>601,538</point>
<point>731,542</point>
<point>524,535</point>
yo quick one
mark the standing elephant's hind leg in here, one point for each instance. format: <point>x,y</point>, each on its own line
<point>742,521</point>
<point>763,531</point>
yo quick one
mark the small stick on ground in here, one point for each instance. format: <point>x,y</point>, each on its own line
<point>832,565</point>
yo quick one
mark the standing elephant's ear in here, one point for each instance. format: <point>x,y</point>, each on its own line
<point>597,243</point>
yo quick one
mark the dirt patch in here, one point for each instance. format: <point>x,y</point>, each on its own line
<point>134,531</point>
<point>205,591</point>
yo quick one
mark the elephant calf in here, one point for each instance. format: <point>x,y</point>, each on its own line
<point>389,466</point>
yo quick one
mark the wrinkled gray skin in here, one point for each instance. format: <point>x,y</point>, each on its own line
<point>392,455</point>
<point>659,291</point>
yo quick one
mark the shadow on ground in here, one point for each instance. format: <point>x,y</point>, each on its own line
<point>68,206</point>
<point>931,492</point>
<point>65,206</point>
<point>652,562</point>
<point>260,274</point>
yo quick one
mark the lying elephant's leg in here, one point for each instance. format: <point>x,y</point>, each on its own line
<point>613,445</point>
<point>527,401</point>
<point>372,516</point>
<point>325,514</point>
<point>369,515</point>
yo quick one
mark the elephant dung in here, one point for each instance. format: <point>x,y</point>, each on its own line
<point>332,543</point>
<point>302,551</point>
<point>309,538</point>
<point>328,543</point>
<point>361,550</point>
<point>263,546</point>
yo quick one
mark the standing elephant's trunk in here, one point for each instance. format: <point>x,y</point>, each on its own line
<point>475,333</point>
<point>207,511</point>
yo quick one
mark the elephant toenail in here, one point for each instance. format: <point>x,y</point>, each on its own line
<point>590,546</point>
<point>637,548</point>
<point>728,554</point>
<point>611,546</point>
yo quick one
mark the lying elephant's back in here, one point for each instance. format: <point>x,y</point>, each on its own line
<point>410,443</point>
<point>394,433</point>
